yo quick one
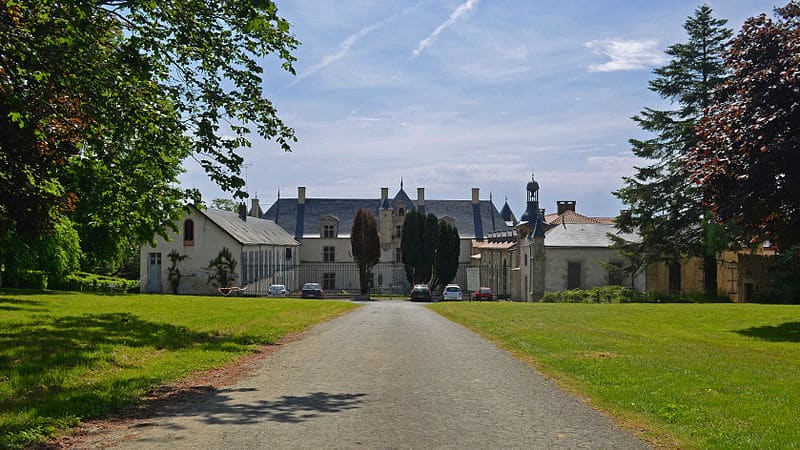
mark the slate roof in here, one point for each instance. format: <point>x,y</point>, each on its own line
<point>584,235</point>
<point>462,211</point>
<point>252,231</point>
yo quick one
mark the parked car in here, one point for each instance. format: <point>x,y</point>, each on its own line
<point>452,292</point>
<point>277,290</point>
<point>421,292</point>
<point>483,293</point>
<point>311,290</point>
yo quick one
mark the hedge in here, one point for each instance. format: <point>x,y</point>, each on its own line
<point>87,282</point>
<point>620,294</point>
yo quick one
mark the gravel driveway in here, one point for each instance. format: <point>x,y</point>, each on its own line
<point>388,375</point>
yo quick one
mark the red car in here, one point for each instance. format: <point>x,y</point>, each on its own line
<point>483,293</point>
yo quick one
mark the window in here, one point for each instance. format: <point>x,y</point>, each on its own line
<point>329,281</point>
<point>674,269</point>
<point>399,231</point>
<point>328,231</point>
<point>401,211</point>
<point>328,226</point>
<point>288,253</point>
<point>573,275</point>
<point>188,232</point>
<point>398,255</point>
<point>329,254</point>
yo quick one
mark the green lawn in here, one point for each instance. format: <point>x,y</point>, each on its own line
<point>67,356</point>
<point>696,375</point>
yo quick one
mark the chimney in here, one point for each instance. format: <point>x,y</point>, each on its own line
<point>301,195</point>
<point>476,196</point>
<point>242,211</point>
<point>420,196</point>
<point>384,193</point>
<point>565,205</point>
<point>254,208</point>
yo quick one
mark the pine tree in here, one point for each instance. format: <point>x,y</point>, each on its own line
<point>666,208</point>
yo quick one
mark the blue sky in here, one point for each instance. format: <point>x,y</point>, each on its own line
<point>454,94</point>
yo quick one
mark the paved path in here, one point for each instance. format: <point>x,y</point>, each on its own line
<point>388,375</point>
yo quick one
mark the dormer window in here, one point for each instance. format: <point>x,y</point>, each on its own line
<point>448,220</point>
<point>329,227</point>
<point>188,232</point>
<point>401,211</point>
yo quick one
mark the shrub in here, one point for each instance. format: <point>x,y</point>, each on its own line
<point>87,282</point>
<point>602,294</point>
<point>32,279</point>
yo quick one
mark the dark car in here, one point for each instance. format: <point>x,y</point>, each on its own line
<point>421,292</point>
<point>311,290</point>
<point>483,293</point>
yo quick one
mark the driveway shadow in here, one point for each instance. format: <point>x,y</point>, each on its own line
<point>220,407</point>
<point>785,332</point>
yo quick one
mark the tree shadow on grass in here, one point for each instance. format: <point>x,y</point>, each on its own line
<point>16,304</point>
<point>37,357</point>
<point>785,332</point>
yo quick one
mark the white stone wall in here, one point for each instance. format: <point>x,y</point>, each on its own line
<point>592,274</point>
<point>208,241</point>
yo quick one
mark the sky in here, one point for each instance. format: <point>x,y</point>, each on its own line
<point>454,94</point>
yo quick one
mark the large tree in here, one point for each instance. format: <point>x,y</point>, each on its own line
<point>419,242</point>
<point>365,244</point>
<point>747,162</point>
<point>101,101</point>
<point>447,253</point>
<point>666,208</point>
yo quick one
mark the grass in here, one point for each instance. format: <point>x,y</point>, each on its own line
<point>65,357</point>
<point>689,376</point>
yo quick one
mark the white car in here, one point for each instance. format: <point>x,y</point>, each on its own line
<point>452,292</point>
<point>277,290</point>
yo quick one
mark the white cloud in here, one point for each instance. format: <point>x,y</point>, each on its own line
<point>459,11</point>
<point>344,48</point>
<point>626,55</point>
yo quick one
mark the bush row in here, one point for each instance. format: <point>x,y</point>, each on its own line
<point>620,294</point>
<point>88,282</point>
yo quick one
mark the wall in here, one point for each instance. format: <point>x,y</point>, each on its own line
<point>592,274</point>
<point>208,241</point>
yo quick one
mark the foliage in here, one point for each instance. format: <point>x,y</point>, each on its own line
<point>100,102</point>
<point>31,279</point>
<point>446,260</point>
<point>748,159</point>
<point>173,271</point>
<point>225,204</point>
<point>68,356</point>
<point>681,376</point>
<point>56,253</point>
<point>89,282</point>
<point>223,269</point>
<point>666,209</point>
<point>620,294</point>
<point>411,241</point>
<point>365,244</point>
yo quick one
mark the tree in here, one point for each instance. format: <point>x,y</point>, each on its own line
<point>411,245</point>
<point>225,204</point>
<point>446,261</point>
<point>747,162</point>
<point>365,244</point>
<point>100,102</point>
<point>667,209</point>
<point>419,243</point>
<point>223,269</point>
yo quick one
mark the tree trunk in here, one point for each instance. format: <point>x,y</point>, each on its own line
<point>710,276</point>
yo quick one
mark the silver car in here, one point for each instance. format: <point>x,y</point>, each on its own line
<point>452,292</point>
<point>277,290</point>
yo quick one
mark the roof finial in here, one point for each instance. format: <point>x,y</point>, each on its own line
<point>401,183</point>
